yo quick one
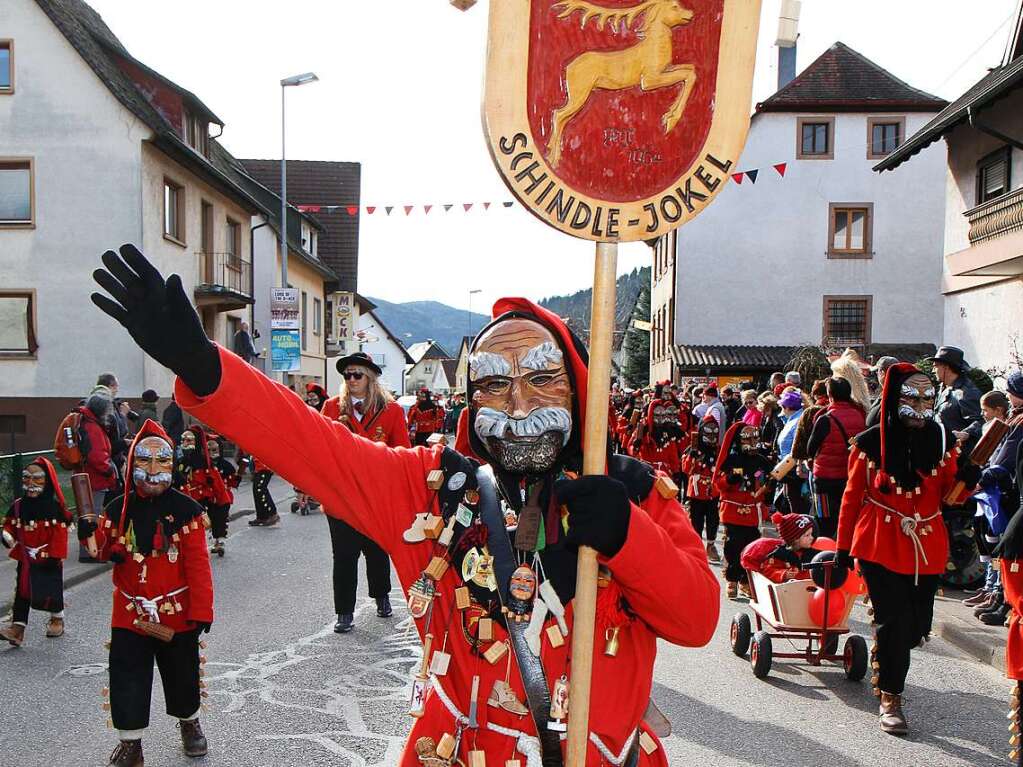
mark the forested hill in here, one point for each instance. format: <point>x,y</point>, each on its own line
<point>419,320</point>
<point>576,307</point>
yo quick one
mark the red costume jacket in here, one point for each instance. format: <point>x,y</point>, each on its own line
<point>699,473</point>
<point>757,556</point>
<point>870,524</point>
<point>102,474</point>
<point>204,485</point>
<point>426,421</point>
<point>739,506</point>
<point>46,535</point>
<point>667,459</point>
<point>388,426</point>
<point>1012,583</point>
<point>378,489</point>
<point>178,593</point>
<point>832,459</point>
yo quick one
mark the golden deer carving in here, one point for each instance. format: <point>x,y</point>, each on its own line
<point>647,64</point>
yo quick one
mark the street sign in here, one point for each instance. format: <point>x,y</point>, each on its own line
<point>284,314</point>
<point>285,350</point>
<point>344,321</point>
<point>614,120</point>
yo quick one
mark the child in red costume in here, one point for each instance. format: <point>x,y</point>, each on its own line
<point>1010,554</point>
<point>424,418</point>
<point>35,531</point>
<point>662,441</point>
<point>782,560</point>
<point>155,537</point>
<point>220,513</point>
<point>900,470</point>
<point>527,389</point>
<point>701,496</point>
<point>741,481</point>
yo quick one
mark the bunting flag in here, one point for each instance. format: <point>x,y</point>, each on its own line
<point>353,210</point>
<point>507,204</point>
<point>448,207</point>
<point>780,167</point>
<point>752,175</point>
<point>467,206</point>
<point>389,208</point>
<point>737,178</point>
<point>408,209</point>
<point>426,208</point>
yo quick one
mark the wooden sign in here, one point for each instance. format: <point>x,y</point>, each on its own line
<point>618,120</point>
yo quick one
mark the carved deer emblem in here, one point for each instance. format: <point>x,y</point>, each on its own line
<point>647,64</point>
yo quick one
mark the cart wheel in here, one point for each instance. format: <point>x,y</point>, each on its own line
<point>740,634</point>
<point>760,654</point>
<point>855,660</point>
<point>831,645</point>
<point>294,506</point>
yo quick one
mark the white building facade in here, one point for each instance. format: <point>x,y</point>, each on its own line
<point>819,250</point>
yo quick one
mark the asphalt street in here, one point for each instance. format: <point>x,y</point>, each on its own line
<point>285,690</point>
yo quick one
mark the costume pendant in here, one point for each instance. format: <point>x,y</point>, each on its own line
<point>439,663</point>
<point>611,641</point>
<point>495,652</point>
<point>485,630</point>
<point>463,515</point>
<point>426,750</point>
<point>142,573</point>
<point>550,597</point>
<point>421,682</point>
<point>527,533</point>
<point>437,567</point>
<point>444,539</point>
<point>417,530</point>
<point>502,696</point>
<point>511,519</point>
<point>420,595</point>
<point>554,636</point>
<point>521,590</point>
<point>474,701</point>
<point>434,527</point>
<point>477,759</point>
<point>462,598</point>
<point>647,743</point>
<point>559,705</point>
<point>446,747</point>
<point>484,575</point>
<point>535,627</point>
<point>172,554</point>
<point>470,563</point>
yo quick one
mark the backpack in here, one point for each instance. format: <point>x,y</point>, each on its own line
<point>67,443</point>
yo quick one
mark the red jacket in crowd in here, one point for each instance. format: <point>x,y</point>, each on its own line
<point>387,426</point>
<point>96,452</point>
<point>845,421</point>
<point>426,421</point>
<point>47,536</point>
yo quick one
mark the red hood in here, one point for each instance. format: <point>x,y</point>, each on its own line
<point>149,429</point>
<point>575,356</point>
<point>726,447</point>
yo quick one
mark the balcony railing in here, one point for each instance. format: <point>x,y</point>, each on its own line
<point>223,274</point>
<point>996,217</point>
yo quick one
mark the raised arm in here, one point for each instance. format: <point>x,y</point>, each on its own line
<point>371,486</point>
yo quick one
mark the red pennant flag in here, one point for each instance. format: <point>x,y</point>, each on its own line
<point>353,210</point>
<point>737,178</point>
<point>508,204</point>
<point>467,206</point>
<point>389,208</point>
<point>408,209</point>
<point>486,206</point>
<point>780,167</point>
<point>427,208</point>
<point>448,207</point>
<point>370,209</point>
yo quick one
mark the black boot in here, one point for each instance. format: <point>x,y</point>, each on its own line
<point>997,616</point>
<point>127,754</point>
<point>996,601</point>
<point>384,607</point>
<point>192,738</point>
<point>344,623</point>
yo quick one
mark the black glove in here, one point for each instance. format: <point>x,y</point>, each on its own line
<point>202,627</point>
<point>598,512</point>
<point>969,474</point>
<point>86,528</point>
<point>843,561</point>
<point>159,318</point>
<point>734,479</point>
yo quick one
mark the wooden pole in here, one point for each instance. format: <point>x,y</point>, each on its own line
<point>584,604</point>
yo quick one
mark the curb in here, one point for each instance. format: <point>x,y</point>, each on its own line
<point>967,638</point>
<point>104,567</point>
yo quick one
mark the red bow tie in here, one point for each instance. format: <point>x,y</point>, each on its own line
<point>358,408</point>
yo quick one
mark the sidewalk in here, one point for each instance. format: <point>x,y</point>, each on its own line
<point>76,572</point>
<point>955,623</point>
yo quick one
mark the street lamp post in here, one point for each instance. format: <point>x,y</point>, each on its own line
<point>287,82</point>
<point>471,294</point>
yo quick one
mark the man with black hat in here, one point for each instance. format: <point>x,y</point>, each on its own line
<point>365,407</point>
<point>958,403</point>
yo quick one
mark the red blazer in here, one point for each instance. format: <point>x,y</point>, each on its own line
<point>661,570</point>
<point>870,522</point>
<point>51,533</point>
<point>426,421</point>
<point>189,574</point>
<point>388,427</point>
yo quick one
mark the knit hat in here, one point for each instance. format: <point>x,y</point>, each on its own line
<point>1015,383</point>
<point>791,526</point>
<point>791,401</point>
<point>150,395</point>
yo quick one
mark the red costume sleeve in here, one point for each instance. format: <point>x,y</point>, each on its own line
<point>852,500</point>
<point>375,488</point>
<point>198,576</point>
<point>660,532</point>
<point>1012,581</point>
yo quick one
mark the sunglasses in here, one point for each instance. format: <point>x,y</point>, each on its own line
<point>352,376</point>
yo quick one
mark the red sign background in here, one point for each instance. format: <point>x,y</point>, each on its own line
<point>630,157</point>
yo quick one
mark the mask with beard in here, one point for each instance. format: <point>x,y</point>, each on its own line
<point>710,437</point>
<point>521,395</point>
<point>187,441</point>
<point>33,480</point>
<point>747,439</point>
<point>213,448</point>
<point>153,466</point>
<point>916,401</point>
<point>666,426</point>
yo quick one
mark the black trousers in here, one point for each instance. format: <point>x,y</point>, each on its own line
<point>737,537</point>
<point>420,440</point>
<point>218,519</point>
<point>704,514</point>
<point>131,676</point>
<point>347,543</point>
<point>47,587</point>
<point>265,506</point>
<point>902,617</point>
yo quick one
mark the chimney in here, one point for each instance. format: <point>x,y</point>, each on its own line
<point>788,34</point>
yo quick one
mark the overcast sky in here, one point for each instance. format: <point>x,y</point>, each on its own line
<point>400,89</point>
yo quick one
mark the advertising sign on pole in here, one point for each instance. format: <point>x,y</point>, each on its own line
<point>284,309</point>
<point>344,322</point>
<point>286,350</point>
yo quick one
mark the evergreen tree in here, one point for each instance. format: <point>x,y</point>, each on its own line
<point>637,343</point>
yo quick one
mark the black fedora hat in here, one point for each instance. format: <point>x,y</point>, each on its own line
<point>357,358</point>
<point>952,356</point>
